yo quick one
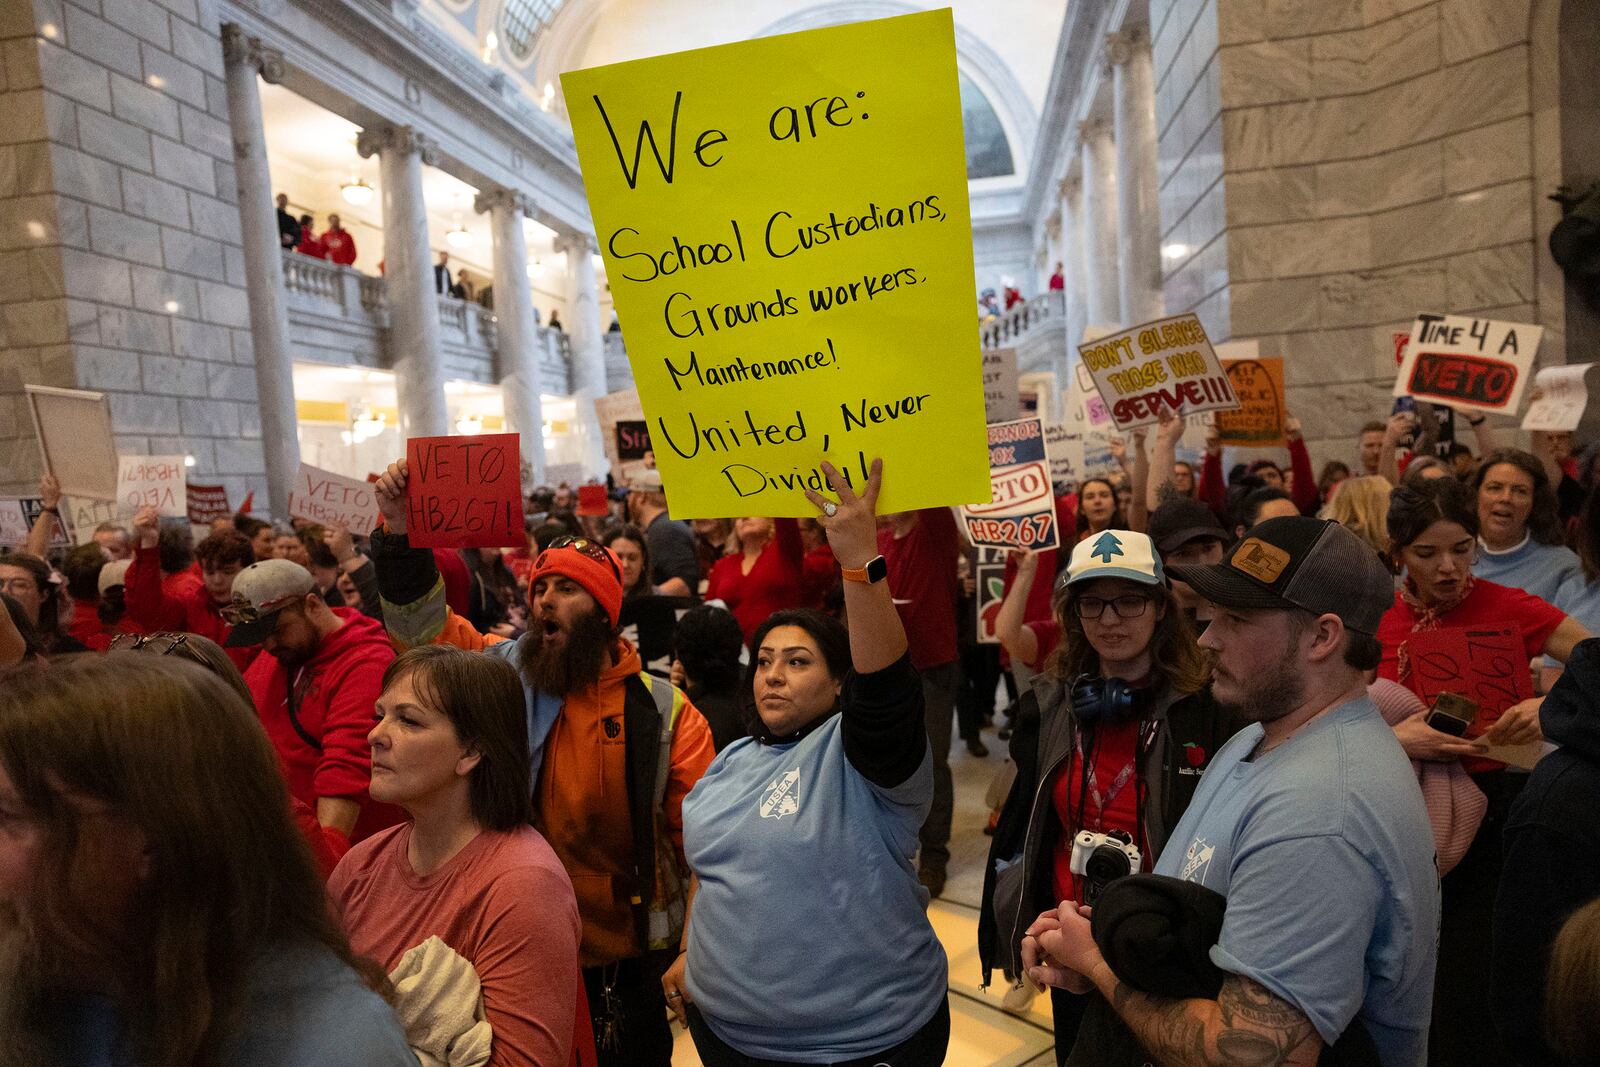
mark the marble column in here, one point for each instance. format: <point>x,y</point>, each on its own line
<point>586,341</point>
<point>243,59</point>
<point>414,345</point>
<point>1073,256</point>
<point>1104,302</point>
<point>516,333</point>
<point>1138,201</point>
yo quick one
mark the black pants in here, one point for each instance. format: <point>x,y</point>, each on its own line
<point>644,1036</point>
<point>939,696</point>
<point>1463,1031</point>
<point>925,1048</point>
<point>980,673</point>
<point>1066,1011</point>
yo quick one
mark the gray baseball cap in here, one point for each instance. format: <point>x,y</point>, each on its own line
<point>260,592</point>
<point>1297,562</point>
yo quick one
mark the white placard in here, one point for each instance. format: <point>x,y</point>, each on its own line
<point>158,482</point>
<point>86,513</point>
<point>1001,398</point>
<point>1468,364</point>
<point>333,500</point>
<point>74,431</point>
<point>1064,448</point>
<point>1562,397</point>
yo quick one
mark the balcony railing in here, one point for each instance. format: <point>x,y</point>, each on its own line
<point>340,315</point>
<point>1009,327</point>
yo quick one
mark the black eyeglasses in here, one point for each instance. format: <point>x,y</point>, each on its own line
<point>1126,607</point>
<point>592,549</point>
<point>134,642</point>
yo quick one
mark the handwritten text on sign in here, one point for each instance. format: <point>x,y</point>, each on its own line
<point>152,482</point>
<point>1167,363</point>
<point>1563,395</point>
<point>464,492</point>
<point>1468,363</point>
<point>1258,422</point>
<point>1022,511</point>
<point>1488,665</point>
<point>333,500</point>
<point>787,238</point>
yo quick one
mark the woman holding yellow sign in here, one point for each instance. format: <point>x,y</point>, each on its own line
<point>810,825</point>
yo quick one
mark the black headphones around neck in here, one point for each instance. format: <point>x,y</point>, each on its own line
<point>1106,700</point>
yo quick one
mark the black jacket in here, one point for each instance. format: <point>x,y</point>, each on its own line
<point>1190,730</point>
<point>1552,856</point>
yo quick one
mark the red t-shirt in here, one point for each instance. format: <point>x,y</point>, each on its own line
<point>1488,604</point>
<point>922,580</point>
<point>1047,635</point>
<point>310,245</point>
<point>504,904</point>
<point>1115,754</point>
<point>187,582</point>
<point>774,581</point>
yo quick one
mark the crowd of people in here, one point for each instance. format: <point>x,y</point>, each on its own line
<point>302,794</point>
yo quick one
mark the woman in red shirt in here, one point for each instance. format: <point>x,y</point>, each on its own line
<point>1433,535</point>
<point>451,747</point>
<point>765,575</point>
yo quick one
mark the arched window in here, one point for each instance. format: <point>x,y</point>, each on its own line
<point>988,151</point>
<point>521,23</point>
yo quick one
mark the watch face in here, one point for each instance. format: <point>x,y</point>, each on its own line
<point>877,569</point>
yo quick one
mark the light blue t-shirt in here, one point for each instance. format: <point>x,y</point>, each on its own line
<point>1323,850</point>
<point>1532,567</point>
<point>303,1008</point>
<point>809,939</point>
<point>1580,598</point>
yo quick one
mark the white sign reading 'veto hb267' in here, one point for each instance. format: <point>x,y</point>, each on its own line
<point>333,500</point>
<point>158,482</point>
<point>1563,395</point>
<point>1467,363</point>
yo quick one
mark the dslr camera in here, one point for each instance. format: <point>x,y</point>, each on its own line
<point>1100,859</point>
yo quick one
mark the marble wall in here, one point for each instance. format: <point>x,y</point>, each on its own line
<point>119,234</point>
<point>1367,161</point>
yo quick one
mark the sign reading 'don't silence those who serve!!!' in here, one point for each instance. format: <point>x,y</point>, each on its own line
<point>1168,363</point>
<point>1468,363</point>
<point>464,492</point>
<point>1022,510</point>
<point>788,242</point>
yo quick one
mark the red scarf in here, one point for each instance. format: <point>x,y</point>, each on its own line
<point>1427,618</point>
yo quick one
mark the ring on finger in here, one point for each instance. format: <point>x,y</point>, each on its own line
<point>829,508</point>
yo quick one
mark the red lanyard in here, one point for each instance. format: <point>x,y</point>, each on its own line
<point>1092,784</point>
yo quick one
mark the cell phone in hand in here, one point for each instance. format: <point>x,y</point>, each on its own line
<point>1452,714</point>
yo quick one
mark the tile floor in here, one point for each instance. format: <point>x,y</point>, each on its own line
<point>981,1034</point>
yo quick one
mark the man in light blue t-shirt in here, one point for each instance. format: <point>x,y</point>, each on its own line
<point>1309,822</point>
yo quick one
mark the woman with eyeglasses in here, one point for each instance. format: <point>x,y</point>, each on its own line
<point>29,580</point>
<point>1434,539</point>
<point>1110,742</point>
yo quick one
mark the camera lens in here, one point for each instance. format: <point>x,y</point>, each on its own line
<point>1105,864</point>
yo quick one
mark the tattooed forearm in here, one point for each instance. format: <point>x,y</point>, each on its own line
<point>1246,1026</point>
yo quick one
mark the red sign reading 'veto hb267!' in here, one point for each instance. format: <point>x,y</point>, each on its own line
<point>464,492</point>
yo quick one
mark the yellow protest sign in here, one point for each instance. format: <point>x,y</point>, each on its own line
<point>788,242</point>
<point>1258,421</point>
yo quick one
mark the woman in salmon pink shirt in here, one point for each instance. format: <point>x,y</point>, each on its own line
<point>450,746</point>
<point>1433,536</point>
<point>765,575</point>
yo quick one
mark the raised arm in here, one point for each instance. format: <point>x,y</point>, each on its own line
<point>1019,640</point>
<point>1138,513</point>
<point>1306,497</point>
<point>411,591</point>
<point>1213,486</point>
<point>877,638</point>
<point>1399,424</point>
<point>39,536</point>
<point>148,603</point>
<point>1164,457</point>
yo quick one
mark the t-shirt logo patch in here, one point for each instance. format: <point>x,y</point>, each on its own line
<point>612,728</point>
<point>782,797</point>
<point>1197,861</point>
<point>1261,561</point>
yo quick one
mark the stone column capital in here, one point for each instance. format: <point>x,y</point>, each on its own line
<point>238,47</point>
<point>580,243</point>
<point>401,139</point>
<point>1120,46</point>
<point>518,201</point>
